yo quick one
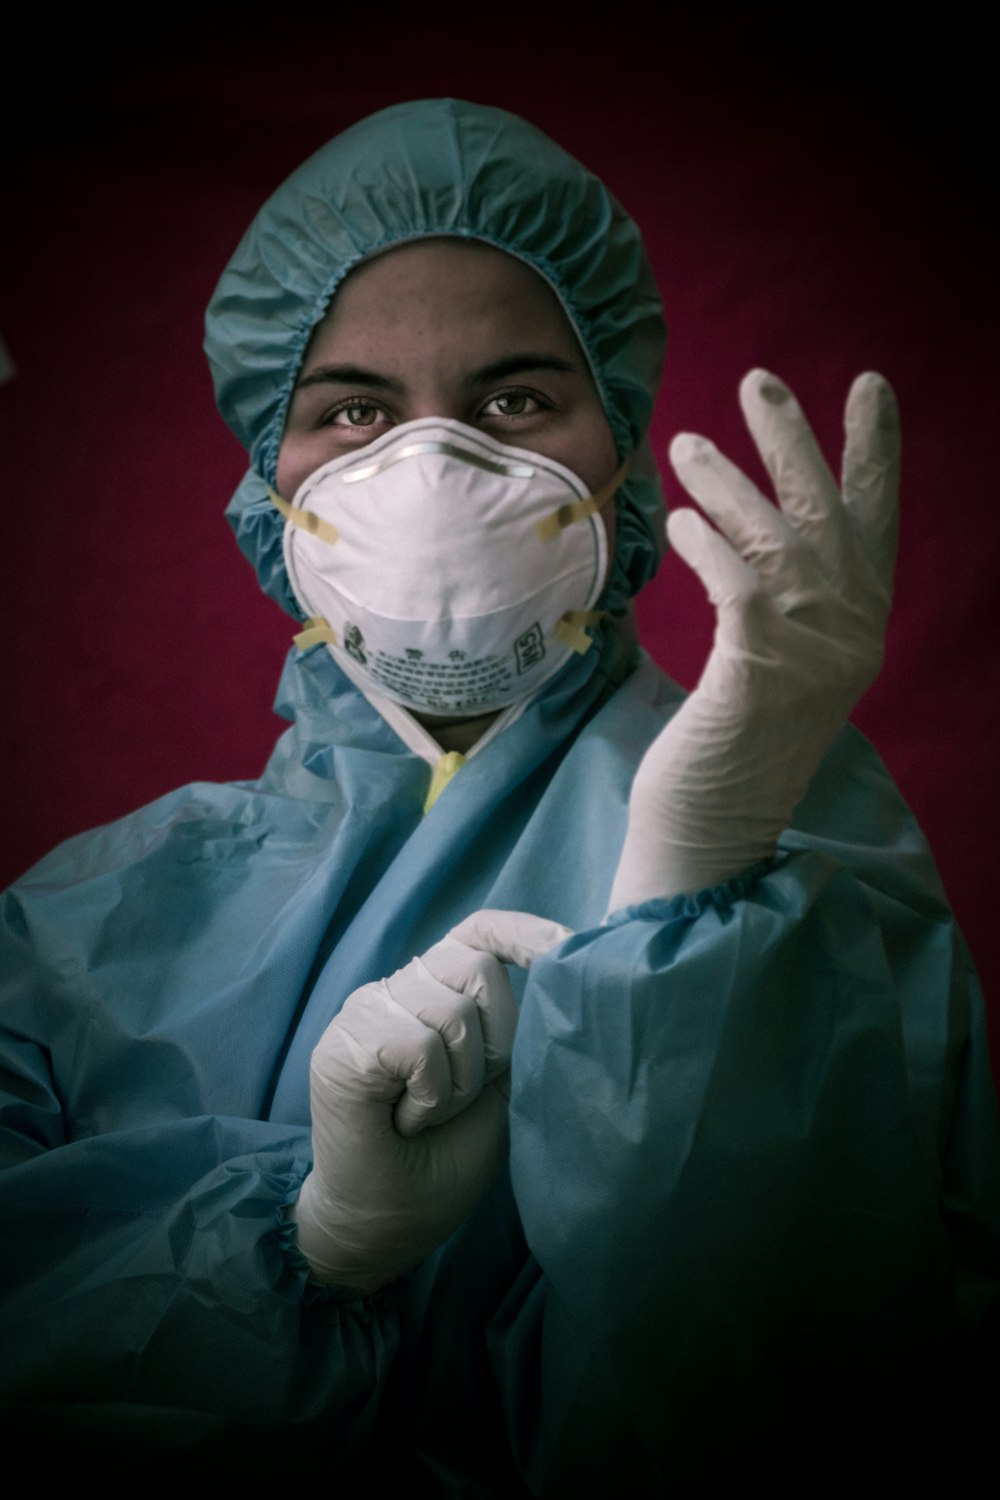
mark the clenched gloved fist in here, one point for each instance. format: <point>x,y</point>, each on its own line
<point>409,1087</point>
<point>802,595</point>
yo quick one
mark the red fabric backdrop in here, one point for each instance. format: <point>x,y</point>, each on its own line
<point>813,200</point>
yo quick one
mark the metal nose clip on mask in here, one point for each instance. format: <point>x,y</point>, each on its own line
<point>453,573</point>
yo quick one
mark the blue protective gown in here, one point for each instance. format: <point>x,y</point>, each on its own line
<point>751,1213</point>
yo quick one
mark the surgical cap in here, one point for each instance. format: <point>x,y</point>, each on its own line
<point>431,168</point>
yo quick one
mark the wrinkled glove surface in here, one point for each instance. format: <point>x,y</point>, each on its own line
<point>409,1087</point>
<point>802,594</point>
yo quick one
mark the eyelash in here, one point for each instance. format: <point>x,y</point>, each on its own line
<point>352,403</point>
<point>519,391</point>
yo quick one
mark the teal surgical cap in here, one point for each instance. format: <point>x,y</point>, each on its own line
<point>429,168</point>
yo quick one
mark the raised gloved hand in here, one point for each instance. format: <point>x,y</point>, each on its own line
<point>409,1089</point>
<point>802,594</point>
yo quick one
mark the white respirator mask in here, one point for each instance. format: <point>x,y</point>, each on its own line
<point>446,570</point>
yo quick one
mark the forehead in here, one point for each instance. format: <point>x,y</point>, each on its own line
<point>455,300</point>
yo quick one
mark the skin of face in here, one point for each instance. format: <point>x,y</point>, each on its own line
<point>447,328</point>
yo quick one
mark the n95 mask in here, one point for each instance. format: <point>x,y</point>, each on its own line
<point>452,573</point>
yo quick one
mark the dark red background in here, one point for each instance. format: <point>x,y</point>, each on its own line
<point>814,198</point>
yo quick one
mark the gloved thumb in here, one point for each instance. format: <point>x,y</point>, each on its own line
<point>514,937</point>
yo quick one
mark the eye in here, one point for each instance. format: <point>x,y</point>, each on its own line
<point>354,414</point>
<point>513,404</point>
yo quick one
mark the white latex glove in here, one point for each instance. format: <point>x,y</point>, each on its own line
<point>409,1089</point>
<point>802,594</point>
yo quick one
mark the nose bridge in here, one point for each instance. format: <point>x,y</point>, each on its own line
<point>436,405</point>
<point>434,390</point>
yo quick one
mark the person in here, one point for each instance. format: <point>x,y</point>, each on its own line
<point>299,1179</point>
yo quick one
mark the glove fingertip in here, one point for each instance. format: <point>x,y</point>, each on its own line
<point>683,522</point>
<point>687,449</point>
<point>871,397</point>
<point>760,387</point>
<point>685,531</point>
<point>754,378</point>
<point>871,380</point>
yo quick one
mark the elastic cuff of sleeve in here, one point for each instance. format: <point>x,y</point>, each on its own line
<point>288,1241</point>
<point>314,1291</point>
<point>689,906</point>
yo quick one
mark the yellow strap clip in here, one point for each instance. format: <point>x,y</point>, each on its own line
<point>448,766</point>
<point>578,510</point>
<point>569,628</point>
<point>304,519</point>
<point>315,629</point>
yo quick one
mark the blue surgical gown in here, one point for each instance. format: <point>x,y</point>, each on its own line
<point>753,1179</point>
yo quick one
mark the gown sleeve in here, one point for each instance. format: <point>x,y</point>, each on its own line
<point>754,1149</point>
<point>152,1300</point>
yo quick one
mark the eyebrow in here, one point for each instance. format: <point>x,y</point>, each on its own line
<point>347,375</point>
<point>523,362</point>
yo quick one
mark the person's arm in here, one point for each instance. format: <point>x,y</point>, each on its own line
<point>755,1151</point>
<point>753,1140</point>
<point>152,1296</point>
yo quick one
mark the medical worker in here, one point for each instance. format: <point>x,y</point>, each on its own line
<point>535,1082</point>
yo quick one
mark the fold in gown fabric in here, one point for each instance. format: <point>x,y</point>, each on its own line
<point>753,1133</point>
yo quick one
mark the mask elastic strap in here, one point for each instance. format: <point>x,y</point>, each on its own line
<point>304,519</point>
<point>314,630</point>
<point>578,510</point>
<point>569,628</point>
